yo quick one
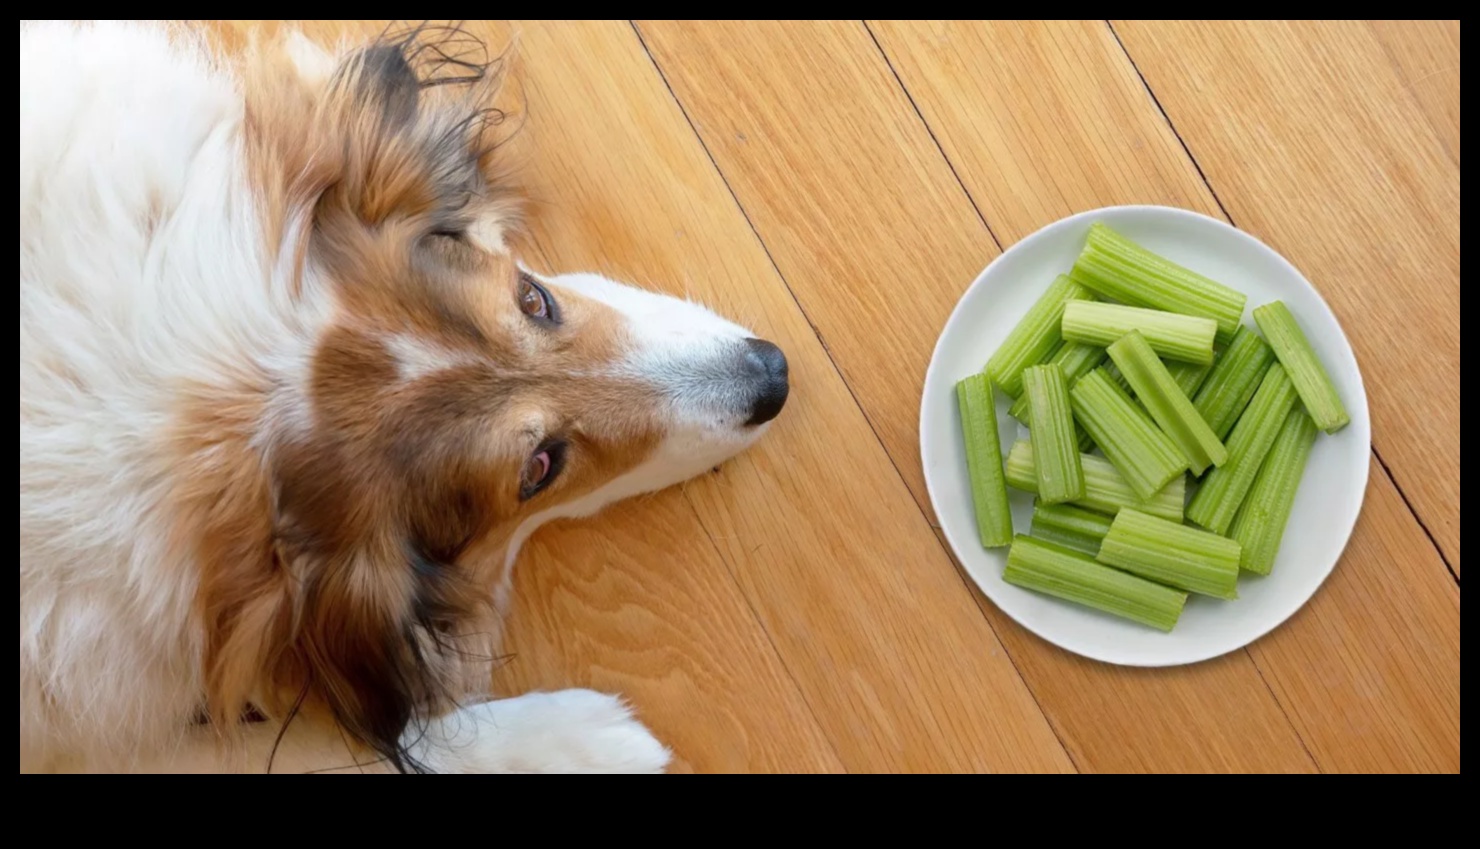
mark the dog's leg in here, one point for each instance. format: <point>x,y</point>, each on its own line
<point>564,731</point>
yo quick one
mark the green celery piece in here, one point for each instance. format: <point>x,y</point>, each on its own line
<point>1237,373</point>
<point>1261,521</point>
<point>984,460</point>
<point>1216,502</point>
<point>1075,361</point>
<point>1190,376</point>
<point>1057,571</point>
<point>1174,336</point>
<point>1121,270</point>
<point>1088,546</point>
<point>1105,490</point>
<point>1112,371</point>
<point>1143,455</point>
<point>1035,336</point>
<point>1055,445</point>
<point>1173,554</point>
<point>1070,526</point>
<point>1311,379</point>
<point>1169,407</point>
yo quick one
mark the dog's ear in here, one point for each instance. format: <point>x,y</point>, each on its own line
<point>386,85</point>
<point>420,130</point>
<point>314,593</point>
<point>376,602</point>
<point>404,132</point>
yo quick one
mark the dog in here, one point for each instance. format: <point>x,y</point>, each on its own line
<point>290,405</point>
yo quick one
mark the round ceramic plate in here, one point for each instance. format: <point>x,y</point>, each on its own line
<point>1330,494</point>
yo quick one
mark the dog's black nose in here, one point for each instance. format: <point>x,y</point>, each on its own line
<point>768,366</point>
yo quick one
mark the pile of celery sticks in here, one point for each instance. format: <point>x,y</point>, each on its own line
<point>1149,363</point>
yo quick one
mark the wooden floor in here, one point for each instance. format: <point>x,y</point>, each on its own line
<point>836,187</point>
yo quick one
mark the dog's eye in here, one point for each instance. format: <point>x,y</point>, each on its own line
<point>541,468</point>
<point>535,300</point>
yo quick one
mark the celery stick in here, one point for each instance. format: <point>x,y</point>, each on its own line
<point>1104,489</point>
<point>1237,373</point>
<point>1190,376</point>
<point>1169,407</point>
<point>1223,490</point>
<point>1055,446</point>
<point>1311,379</point>
<point>1034,337</point>
<point>984,460</point>
<point>1088,546</point>
<point>1122,270</point>
<point>1070,526</point>
<point>1143,455</point>
<point>1261,522</point>
<point>1075,361</point>
<point>1176,337</point>
<point>1112,371</point>
<point>1173,554</point>
<point>1060,572</point>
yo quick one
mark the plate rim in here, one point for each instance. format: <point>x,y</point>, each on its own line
<point>1366,465</point>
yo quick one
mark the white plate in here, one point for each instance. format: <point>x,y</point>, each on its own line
<point>1326,506</point>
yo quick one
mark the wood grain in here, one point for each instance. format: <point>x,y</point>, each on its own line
<point>1426,56</point>
<point>1313,143</point>
<point>1369,670</point>
<point>863,607</point>
<point>639,602</point>
<point>942,66</point>
<point>1040,120</point>
<point>877,265</point>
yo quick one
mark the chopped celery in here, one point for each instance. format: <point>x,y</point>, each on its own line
<point>1142,454</point>
<point>1169,407</point>
<point>1060,572</point>
<point>1173,554</point>
<point>1190,376</point>
<point>984,460</point>
<point>1122,270</point>
<point>1176,337</point>
<point>1311,380</point>
<point>1070,526</point>
<point>1055,445</point>
<point>1033,337</point>
<point>1261,522</point>
<point>1104,489</point>
<point>1222,492</point>
<point>1112,371</point>
<point>1228,388</point>
<point>1075,361</point>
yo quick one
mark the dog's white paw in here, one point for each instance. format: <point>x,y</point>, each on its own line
<point>561,732</point>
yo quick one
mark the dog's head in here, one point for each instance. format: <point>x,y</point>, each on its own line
<point>451,399</point>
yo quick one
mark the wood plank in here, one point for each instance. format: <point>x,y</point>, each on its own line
<point>1426,55</point>
<point>1370,669</point>
<point>862,606</point>
<point>638,601</point>
<point>1040,120</point>
<point>1411,686</point>
<point>1313,142</point>
<point>803,120</point>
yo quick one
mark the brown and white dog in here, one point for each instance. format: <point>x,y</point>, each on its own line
<point>290,404</point>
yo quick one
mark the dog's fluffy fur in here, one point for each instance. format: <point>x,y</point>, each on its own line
<point>290,405</point>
